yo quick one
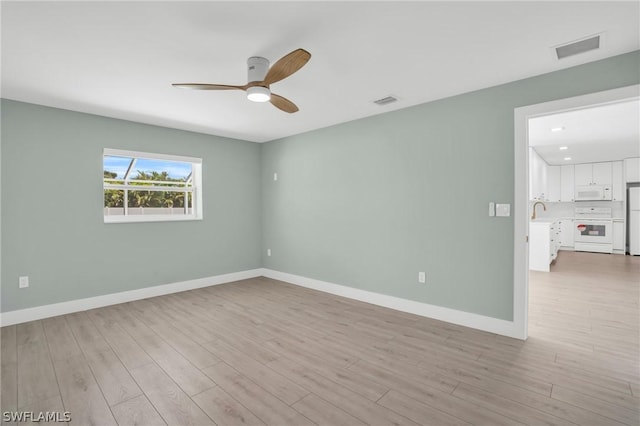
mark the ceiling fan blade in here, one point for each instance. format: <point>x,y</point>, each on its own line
<point>203,86</point>
<point>283,103</point>
<point>287,65</point>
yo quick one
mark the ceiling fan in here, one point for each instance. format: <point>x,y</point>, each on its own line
<point>261,77</point>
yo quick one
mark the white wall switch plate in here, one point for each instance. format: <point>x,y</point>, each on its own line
<point>275,176</point>
<point>422,277</point>
<point>23,282</point>
<point>268,252</point>
<point>492,209</point>
<point>503,210</point>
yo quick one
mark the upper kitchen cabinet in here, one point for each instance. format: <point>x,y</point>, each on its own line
<point>602,173</point>
<point>554,183</point>
<point>593,174</point>
<point>583,174</point>
<point>567,182</point>
<point>537,176</point>
<point>618,184</point>
<point>632,169</point>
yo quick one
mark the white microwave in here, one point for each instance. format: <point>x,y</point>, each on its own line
<point>592,192</point>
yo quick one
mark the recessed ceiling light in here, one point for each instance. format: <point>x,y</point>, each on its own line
<point>557,129</point>
<point>567,158</point>
<point>563,148</point>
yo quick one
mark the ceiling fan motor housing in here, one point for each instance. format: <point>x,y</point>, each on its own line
<point>257,68</point>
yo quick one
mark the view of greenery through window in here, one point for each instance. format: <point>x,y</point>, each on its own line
<point>148,198</point>
<point>147,183</point>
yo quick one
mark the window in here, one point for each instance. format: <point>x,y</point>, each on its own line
<point>144,187</point>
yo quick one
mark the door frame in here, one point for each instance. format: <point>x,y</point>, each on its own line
<point>521,186</point>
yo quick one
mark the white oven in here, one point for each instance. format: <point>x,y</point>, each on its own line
<point>593,229</point>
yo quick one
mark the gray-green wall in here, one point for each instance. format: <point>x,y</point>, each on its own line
<point>365,204</point>
<point>52,220</point>
<point>370,203</point>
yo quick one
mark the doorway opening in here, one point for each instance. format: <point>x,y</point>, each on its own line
<point>522,210</point>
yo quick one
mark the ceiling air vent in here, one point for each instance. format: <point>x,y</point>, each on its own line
<point>385,100</point>
<point>577,47</point>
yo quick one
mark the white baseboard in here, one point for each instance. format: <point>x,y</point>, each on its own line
<point>467,319</point>
<point>46,311</point>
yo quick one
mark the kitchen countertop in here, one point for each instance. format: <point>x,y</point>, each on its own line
<point>544,220</point>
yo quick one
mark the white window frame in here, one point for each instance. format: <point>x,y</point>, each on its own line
<point>196,191</point>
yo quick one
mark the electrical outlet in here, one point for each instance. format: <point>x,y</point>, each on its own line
<point>23,282</point>
<point>422,277</point>
<point>268,252</point>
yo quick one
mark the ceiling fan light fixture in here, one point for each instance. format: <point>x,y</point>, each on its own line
<point>258,94</point>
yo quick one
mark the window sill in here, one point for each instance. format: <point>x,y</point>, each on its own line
<point>150,218</point>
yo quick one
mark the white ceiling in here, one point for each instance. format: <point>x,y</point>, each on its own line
<point>602,133</point>
<point>118,59</point>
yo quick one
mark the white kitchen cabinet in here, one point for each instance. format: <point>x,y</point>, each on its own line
<point>593,174</point>
<point>632,170</point>
<point>618,237</point>
<point>567,234</point>
<point>537,176</point>
<point>618,185</point>
<point>583,174</point>
<point>544,242</point>
<point>602,173</point>
<point>553,192</point>
<point>567,182</point>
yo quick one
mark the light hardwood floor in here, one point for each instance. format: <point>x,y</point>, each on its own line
<point>262,352</point>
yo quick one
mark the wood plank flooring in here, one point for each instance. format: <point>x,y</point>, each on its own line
<point>263,352</point>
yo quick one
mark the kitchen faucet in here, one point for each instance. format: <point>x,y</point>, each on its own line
<point>533,216</point>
